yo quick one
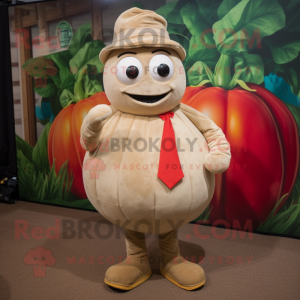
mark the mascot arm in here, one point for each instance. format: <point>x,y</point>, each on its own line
<point>92,125</point>
<point>218,158</point>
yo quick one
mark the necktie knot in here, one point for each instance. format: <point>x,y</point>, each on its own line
<point>166,115</point>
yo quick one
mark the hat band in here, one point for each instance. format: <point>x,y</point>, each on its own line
<point>140,35</point>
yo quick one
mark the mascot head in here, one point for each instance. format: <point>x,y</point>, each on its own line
<point>143,73</point>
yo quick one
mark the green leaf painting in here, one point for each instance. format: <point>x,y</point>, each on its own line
<point>228,44</point>
<point>248,67</point>
<point>201,43</point>
<point>165,10</point>
<point>40,151</point>
<point>249,18</point>
<point>285,49</point>
<point>24,147</point>
<point>82,36</point>
<point>39,182</point>
<point>225,7</point>
<point>66,98</point>
<point>199,72</point>
<point>46,91</point>
<point>60,76</point>
<point>87,55</point>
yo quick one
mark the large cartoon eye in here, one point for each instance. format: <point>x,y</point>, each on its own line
<point>129,70</point>
<point>161,67</point>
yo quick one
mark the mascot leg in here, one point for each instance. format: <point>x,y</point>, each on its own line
<point>174,267</point>
<point>135,269</point>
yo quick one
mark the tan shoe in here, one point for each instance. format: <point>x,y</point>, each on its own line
<point>135,269</point>
<point>175,268</point>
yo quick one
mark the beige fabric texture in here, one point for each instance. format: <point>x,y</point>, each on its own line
<point>140,28</point>
<point>138,196</point>
<point>135,266</point>
<point>125,188</point>
<point>117,92</point>
<point>182,271</point>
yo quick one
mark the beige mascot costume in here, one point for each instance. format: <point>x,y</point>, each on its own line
<point>157,157</point>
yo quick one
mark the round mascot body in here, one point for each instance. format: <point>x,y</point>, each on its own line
<point>129,191</point>
<point>150,161</point>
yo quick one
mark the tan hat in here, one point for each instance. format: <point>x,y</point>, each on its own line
<point>141,28</point>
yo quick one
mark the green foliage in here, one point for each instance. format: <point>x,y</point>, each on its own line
<point>61,59</point>
<point>82,36</point>
<point>49,90</point>
<point>225,7</point>
<point>61,70</point>
<point>43,187</point>
<point>200,45</point>
<point>248,67</point>
<point>56,107</point>
<point>87,55</point>
<point>286,222</point>
<point>66,98</point>
<point>91,86</point>
<point>296,113</point>
<point>27,166</point>
<point>263,35</point>
<point>24,147</point>
<point>263,38</point>
<point>40,151</point>
<point>263,17</point>
<point>290,73</point>
<point>284,48</point>
<point>199,72</point>
<point>37,181</point>
<point>165,10</point>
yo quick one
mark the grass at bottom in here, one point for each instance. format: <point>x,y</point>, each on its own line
<point>285,222</point>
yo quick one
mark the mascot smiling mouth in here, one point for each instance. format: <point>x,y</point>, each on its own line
<point>148,99</point>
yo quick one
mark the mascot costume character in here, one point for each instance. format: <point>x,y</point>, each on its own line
<point>151,181</point>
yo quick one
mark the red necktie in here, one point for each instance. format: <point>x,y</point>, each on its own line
<point>169,170</point>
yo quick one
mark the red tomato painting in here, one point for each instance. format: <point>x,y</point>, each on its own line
<point>64,139</point>
<point>264,142</point>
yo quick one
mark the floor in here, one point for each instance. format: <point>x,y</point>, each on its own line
<point>237,267</point>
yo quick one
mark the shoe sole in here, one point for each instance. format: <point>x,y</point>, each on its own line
<point>188,288</point>
<point>129,287</point>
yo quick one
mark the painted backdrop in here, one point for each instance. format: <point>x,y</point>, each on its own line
<point>243,71</point>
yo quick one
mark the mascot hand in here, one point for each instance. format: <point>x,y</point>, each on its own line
<point>217,162</point>
<point>96,115</point>
<point>92,124</point>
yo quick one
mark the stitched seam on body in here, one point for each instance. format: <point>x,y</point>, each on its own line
<point>120,170</point>
<point>100,158</point>
<point>192,194</point>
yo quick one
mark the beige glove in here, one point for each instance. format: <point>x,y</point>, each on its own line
<point>218,159</point>
<point>92,125</point>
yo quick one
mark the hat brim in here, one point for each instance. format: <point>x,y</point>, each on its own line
<point>135,43</point>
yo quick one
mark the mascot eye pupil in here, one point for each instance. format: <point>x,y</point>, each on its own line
<point>132,72</point>
<point>163,70</point>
